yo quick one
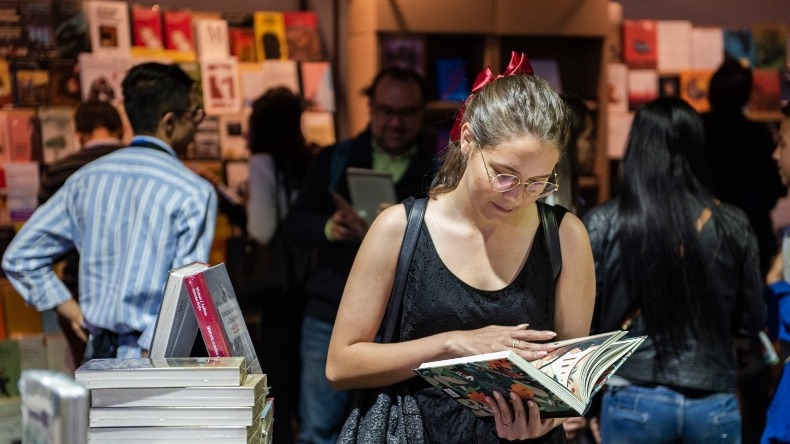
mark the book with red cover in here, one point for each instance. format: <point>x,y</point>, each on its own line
<point>242,43</point>
<point>207,316</point>
<point>301,31</point>
<point>178,31</point>
<point>146,27</point>
<point>766,90</point>
<point>639,44</point>
<point>219,316</point>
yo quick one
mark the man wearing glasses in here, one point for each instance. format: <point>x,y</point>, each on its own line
<point>393,142</point>
<point>133,215</point>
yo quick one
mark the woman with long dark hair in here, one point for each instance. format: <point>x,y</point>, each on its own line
<point>683,268</point>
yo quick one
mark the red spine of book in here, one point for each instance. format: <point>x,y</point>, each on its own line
<point>207,316</point>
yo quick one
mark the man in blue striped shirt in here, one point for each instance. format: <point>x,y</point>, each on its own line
<point>133,215</point>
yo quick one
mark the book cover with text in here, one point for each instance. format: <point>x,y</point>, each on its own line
<point>220,81</point>
<point>303,40</point>
<point>271,41</point>
<point>178,30</point>
<point>108,26</point>
<point>147,27</point>
<point>211,38</point>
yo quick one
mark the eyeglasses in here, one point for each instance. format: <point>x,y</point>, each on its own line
<point>389,112</point>
<point>503,183</point>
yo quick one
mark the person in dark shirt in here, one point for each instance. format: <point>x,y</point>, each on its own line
<point>100,130</point>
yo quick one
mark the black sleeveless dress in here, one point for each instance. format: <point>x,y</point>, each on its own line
<point>436,301</point>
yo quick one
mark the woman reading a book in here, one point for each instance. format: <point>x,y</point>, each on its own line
<point>481,278</point>
<point>682,268</point>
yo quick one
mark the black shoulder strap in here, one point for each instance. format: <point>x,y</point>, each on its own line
<point>549,221</point>
<point>414,221</point>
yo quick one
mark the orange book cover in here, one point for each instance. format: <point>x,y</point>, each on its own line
<point>640,44</point>
<point>146,27</point>
<point>270,38</point>
<point>694,88</point>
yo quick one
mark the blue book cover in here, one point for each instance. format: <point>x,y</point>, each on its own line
<point>451,78</point>
<point>739,45</point>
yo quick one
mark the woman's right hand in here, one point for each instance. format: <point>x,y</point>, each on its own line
<point>495,338</point>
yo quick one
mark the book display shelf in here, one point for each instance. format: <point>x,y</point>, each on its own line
<point>566,38</point>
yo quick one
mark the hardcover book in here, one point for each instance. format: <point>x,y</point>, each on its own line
<point>219,316</point>
<point>178,31</point>
<point>57,132</point>
<point>270,38</point>
<point>211,38</point>
<point>640,44</point>
<point>562,383</point>
<point>173,416</point>
<point>108,26</point>
<point>29,82</point>
<point>245,395</point>
<point>54,408</point>
<point>301,30</point>
<point>64,82</point>
<point>452,80</point>
<point>161,372</point>
<point>147,27</point>
<point>176,325</point>
<point>176,435</point>
<point>242,43</point>
<point>694,86</point>
<point>221,91</point>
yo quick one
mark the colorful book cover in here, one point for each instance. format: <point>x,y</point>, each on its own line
<point>452,80</point>
<point>766,90</point>
<point>211,38</point>
<point>71,33</point>
<point>769,46</point>
<point>694,88</point>
<point>206,141</point>
<point>318,90</point>
<point>208,317</point>
<point>242,43</point>
<point>27,28</point>
<point>101,76</point>
<point>304,42</point>
<point>232,135</point>
<point>178,30</point>
<point>10,368</point>
<point>21,190</point>
<point>405,52</point>
<point>29,82</point>
<point>739,45</point>
<point>271,41</point>
<point>640,44</point>
<point>12,39</point>
<point>64,82</point>
<point>108,25</point>
<point>642,87</point>
<point>57,132</point>
<point>147,27</point>
<point>221,91</point>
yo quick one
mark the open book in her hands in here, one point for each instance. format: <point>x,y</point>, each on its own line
<point>562,383</point>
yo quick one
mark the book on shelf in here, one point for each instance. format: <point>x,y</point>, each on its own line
<point>211,38</point>
<point>642,87</point>
<point>22,181</point>
<point>707,48</point>
<point>242,43</point>
<point>232,135</point>
<point>451,79</point>
<point>29,82</point>
<point>58,132</point>
<point>176,325</point>
<point>6,93</point>
<point>739,45</point>
<point>108,26</point>
<point>219,316</point>
<point>64,82</point>
<point>146,27</point>
<point>178,30</point>
<point>694,86</point>
<point>220,83</point>
<point>673,41</point>
<point>770,45</point>
<point>101,76</point>
<point>271,41</point>
<point>54,408</point>
<point>319,127</point>
<point>766,90</point>
<point>562,383</point>
<point>206,141</point>
<point>406,52</point>
<point>303,40</point>
<point>257,78</point>
<point>640,44</point>
<point>207,415</point>
<point>176,435</point>
<point>161,372</point>
<point>669,85</point>
<point>244,395</point>
<point>318,90</point>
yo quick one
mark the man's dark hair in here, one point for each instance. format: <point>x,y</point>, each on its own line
<point>97,114</point>
<point>730,86</point>
<point>397,73</point>
<point>150,90</point>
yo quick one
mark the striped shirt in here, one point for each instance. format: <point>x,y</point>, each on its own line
<point>133,215</point>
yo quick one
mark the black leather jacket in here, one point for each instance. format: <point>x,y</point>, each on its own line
<point>734,277</point>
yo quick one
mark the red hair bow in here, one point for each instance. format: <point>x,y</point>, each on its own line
<point>519,64</point>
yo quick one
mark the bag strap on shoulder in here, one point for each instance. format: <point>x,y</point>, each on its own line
<point>552,235</point>
<point>414,221</point>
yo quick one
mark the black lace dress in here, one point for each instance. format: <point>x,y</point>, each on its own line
<point>436,301</point>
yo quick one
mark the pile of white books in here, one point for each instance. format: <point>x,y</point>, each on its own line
<point>54,408</point>
<point>175,400</point>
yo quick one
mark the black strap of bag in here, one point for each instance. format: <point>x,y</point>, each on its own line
<point>414,221</point>
<point>552,235</point>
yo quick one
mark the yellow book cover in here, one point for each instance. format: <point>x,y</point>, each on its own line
<point>270,38</point>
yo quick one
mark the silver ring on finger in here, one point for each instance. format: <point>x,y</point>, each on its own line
<point>516,343</point>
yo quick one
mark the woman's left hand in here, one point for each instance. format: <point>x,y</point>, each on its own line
<point>514,422</point>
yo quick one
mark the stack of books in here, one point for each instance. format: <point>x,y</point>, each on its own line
<point>176,400</point>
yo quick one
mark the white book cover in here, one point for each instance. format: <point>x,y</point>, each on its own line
<point>318,127</point>
<point>257,78</point>
<point>101,76</point>
<point>674,45</point>
<point>175,435</point>
<point>176,325</point>
<point>161,372</point>
<point>707,48</point>
<point>58,132</point>
<point>221,90</point>
<point>54,408</point>
<point>244,395</point>
<point>108,26</point>
<point>211,38</point>
<point>172,416</point>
